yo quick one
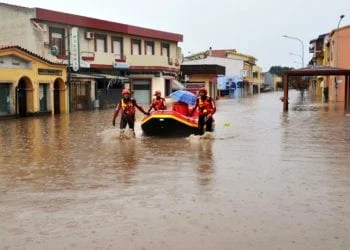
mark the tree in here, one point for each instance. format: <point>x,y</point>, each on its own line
<point>278,70</point>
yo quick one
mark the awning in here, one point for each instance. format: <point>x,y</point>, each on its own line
<point>178,85</point>
<point>85,76</point>
<point>112,77</point>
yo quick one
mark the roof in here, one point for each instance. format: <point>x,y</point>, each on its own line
<point>317,71</point>
<point>16,47</point>
<point>222,52</point>
<point>341,28</point>
<point>98,24</point>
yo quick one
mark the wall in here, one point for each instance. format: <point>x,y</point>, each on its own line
<point>233,66</point>
<point>13,75</point>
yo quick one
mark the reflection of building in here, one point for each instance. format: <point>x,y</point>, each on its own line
<point>236,64</point>
<point>104,55</point>
<point>30,84</point>
<point>198,76</point>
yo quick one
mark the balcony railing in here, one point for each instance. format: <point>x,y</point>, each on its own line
<point>87,56</point>
<point>119,58</point>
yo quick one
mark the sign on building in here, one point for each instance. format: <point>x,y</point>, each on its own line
<point>75,49</point>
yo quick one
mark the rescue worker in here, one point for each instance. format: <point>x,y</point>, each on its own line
<point>206,109</point>
<point>158,103</point>
<point>127,106</point>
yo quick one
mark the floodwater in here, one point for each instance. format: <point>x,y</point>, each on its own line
<point>265,180</point>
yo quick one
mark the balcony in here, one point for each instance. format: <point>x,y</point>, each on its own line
<point>119,58</point>
<point>87,56</point>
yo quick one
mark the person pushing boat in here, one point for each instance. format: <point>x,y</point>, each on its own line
<point>127,107</point>
<point>206,108</point>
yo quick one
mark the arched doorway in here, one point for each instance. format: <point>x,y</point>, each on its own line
<point>59,96</point>
<point>24,96</point>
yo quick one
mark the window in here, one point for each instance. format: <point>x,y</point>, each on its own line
<point>117,47</point>
<point>165,49</point>
<point>149,47</point>
<point>135,47</point>
<point>167,87</point>
<point>100,43</point>
<point>57,38</point>
<point>43,97</point>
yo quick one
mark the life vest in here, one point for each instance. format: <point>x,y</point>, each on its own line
<point>205,106</point>
<point>127,107</point>
<point>159,104</point>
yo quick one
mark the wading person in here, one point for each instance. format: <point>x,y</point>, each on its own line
<point>158,103</point>
<point>127,106</point>
<point>206,109</point>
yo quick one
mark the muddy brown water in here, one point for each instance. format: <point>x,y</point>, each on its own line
<point>265,180</point>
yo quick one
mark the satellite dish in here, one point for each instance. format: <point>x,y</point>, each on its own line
<point>54,50</point>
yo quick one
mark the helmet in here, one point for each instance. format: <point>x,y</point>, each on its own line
<point>204,90</point>
<point>157,92</point>
<point>125,91</point>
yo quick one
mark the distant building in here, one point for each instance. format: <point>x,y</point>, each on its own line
<point>272,81</point>
<point>237,65</point>
<point>202,75</point>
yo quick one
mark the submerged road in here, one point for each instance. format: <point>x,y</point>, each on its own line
<point>266,180</point>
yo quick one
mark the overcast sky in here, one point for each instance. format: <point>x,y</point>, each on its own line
<point>254,27</point>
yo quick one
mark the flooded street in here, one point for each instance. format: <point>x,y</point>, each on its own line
<point>267,180</point>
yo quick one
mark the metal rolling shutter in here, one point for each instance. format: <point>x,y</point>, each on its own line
<point>142,91</point>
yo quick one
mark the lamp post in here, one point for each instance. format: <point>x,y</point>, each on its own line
<point>340,19</point>
<point>302,47</point>
<point>337,57</point>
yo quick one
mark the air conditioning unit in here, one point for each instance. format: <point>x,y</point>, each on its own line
<point>89,35</point>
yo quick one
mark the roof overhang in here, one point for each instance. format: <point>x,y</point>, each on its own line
<point>98,24</point>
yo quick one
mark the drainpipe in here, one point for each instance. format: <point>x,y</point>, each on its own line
<point>43,33</point>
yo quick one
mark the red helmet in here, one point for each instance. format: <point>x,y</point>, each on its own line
<point>125,91</point>
<point>204,90</point>
<point>157,92</point>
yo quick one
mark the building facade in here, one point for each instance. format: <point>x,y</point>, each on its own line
<point>238,66</point>
<point>205,75</point>
<point>30,84</point>
<point>104,56</point>
<point>332,50</point>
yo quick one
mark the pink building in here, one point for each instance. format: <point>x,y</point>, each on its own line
<point>339,56</point>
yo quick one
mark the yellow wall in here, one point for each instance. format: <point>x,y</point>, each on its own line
<point>33,79</point>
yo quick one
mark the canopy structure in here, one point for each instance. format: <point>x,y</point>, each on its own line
<point>317,71</point>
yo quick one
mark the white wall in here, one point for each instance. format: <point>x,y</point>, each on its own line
<point>233,66</point>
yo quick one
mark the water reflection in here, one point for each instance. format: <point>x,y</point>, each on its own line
<point>202,150</point>
<point>126,159</point>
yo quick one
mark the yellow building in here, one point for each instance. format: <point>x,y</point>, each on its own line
<point>30,84</point>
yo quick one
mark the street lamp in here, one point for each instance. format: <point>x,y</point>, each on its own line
<point>337,57</point>
<point>340,19</point>
<point>302,47</point>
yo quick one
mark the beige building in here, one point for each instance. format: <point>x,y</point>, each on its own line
<point>104,56</point>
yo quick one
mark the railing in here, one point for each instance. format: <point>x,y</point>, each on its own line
<point>119,58</point>
<point>87,56</point>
